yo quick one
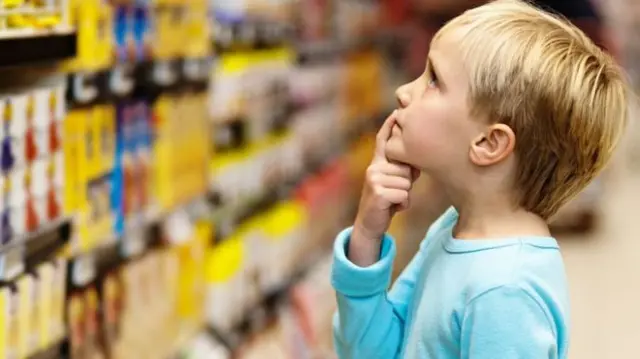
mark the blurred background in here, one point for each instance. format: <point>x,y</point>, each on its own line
<point>174,173</point>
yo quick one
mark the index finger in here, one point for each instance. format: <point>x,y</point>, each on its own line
<point>384,133</point>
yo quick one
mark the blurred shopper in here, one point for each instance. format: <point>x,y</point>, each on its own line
<point>429,15</point>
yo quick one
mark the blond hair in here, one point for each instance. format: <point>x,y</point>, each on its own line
<point>565,99</point>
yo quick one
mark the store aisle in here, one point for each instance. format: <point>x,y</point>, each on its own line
<point>603,276</point>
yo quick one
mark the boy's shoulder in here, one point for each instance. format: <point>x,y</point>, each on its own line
<point>539,271</point>
<point>533,272</point>
<point>533,265</point>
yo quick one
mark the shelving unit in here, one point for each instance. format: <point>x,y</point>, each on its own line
<point>174,174</point>
<point>36,48</point>
<point>33,33</point>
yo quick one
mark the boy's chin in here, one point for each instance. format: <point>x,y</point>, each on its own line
<point>395,151</point>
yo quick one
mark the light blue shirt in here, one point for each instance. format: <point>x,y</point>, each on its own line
<point>477,299</point>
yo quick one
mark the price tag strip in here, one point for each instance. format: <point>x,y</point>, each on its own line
<point>134,243</point>
<point>32,249</point>
<point>83,270</point>
<point>87,88</point>
<point>249,34</point>
<point>12,263</point>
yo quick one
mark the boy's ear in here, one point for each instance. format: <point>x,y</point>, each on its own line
<point>492,146</point>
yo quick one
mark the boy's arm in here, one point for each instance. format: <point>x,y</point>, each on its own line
<point>370,321</point>
<point>509,323</point>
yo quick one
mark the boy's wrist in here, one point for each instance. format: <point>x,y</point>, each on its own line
<point>364,248</point>
<point>360,232</point>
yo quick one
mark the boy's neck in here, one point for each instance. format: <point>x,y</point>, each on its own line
<point>489,221</point>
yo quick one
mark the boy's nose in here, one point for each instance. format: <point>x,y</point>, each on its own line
<point>403,96</point>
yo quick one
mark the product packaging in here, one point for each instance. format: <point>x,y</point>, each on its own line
<point>25,287</point>
<point>77,326</point>
<point>224,281</point>
<point>44,303</point>
<point>5,323</point>
<point>93,21</point>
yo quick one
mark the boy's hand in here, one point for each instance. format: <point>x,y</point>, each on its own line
<point>386,191</point>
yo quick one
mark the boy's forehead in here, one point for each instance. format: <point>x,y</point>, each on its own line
<point>445,52</point>
<point>451,37</point>
<point>446,59</point>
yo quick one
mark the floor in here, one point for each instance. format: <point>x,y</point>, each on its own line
<point>604,276</point>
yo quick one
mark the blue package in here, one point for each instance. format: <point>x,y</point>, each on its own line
<point>141,28</point>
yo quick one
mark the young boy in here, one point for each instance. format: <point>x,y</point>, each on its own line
<point>516,112</point>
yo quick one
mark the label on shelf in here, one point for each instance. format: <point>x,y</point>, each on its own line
<point>164,74</point>
<point>121,80</point>
<point>196,69</point>
<point>84,270</point>
<point>84,88</point>
<point>133,244</point>
<point>12,263</point>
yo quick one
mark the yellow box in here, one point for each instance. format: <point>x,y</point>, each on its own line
<point>23,329</point>
<point>106,131</point>
<point>196,29</point>
<point>104,40</point>
<point>59,291</point>
<point>70,148</point>
<point>92,143</point>
<point>84,17</point>
<point>45,305</point>
<point>78,150</point>
<point>5,322</point>
<point>162,149</point>
<point>167,39</point>
<point>93,20</point>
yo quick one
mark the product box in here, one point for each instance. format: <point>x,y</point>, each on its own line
<point>58,304</point>
<point>142,19</point>
<point>224,265</point>
<point>13,322</point>
<point>5,322</point>
<point>93,20</point>
<point>166,33</point>
<point>25,287</point>
<point>197,30</point>
<point>191,282</point>
<point>283,235</point>
<point>111,310</point>
<point>44,314</point>
<point>77,326</point>
<point>122,32</point>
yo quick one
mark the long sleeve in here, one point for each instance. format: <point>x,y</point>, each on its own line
<point>370,322</point>
<point>508,323</point>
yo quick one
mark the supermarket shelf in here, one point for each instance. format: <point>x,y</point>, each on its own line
<point>84,268</point>
<point>53,352</point>
<point>227,219</point>
<point>33,248</point>
<point>29,48</point>
<point>256,319</point>
<point>319,51</point>
<point>240,34</point>
<point>145,79</point>
<point>262,314</point>
<point>139,237</point>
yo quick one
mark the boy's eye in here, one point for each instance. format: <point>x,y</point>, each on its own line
<point>432,79</point>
